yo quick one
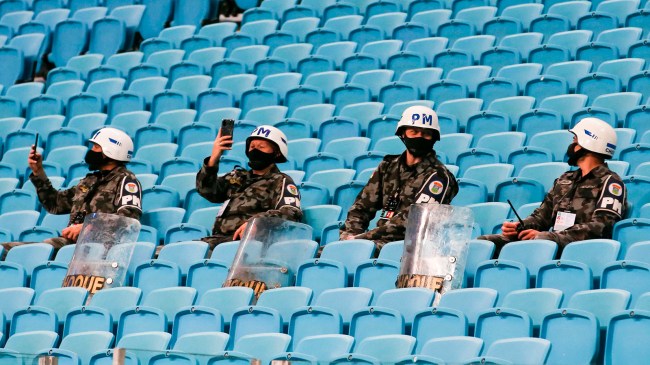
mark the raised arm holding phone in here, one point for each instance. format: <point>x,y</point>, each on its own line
<point>244,194</point>
<point>109,187</point>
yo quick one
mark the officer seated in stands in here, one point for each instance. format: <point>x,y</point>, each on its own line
<point>584,203</point>
<point>109,188</point>
<point>261,192</point>
<point>415,176</point>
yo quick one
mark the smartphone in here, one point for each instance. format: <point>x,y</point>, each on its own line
<point>227,127</point>
<point>35,148</point>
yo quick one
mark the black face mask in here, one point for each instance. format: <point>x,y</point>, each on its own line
<point>95,160</point>
<point>259,160</point>
<point>418,146</point>
<point>574,155</point>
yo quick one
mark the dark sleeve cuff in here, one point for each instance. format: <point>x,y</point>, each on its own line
<point>210,169</point>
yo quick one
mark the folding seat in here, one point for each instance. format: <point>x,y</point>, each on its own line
<point>518,350</point>
<point>320,162</point>
<point>377,274</point>
<point>61,301</point>
<point>519,190</point>
<point>475,157</point>
<point>345,195</point>
<point>598,84</point>
<point>141,71</point>
<point>17,200</point>
<point>620,103</point>
<point>473,192</point>
<point>314,194</point>
<point>318,216</point>
<point>503,26</point>
<point>502,323</point>
<point>453,144</point>
<point>160,196</point>
<point>376,321</point>
<point>536,302</point>
<point>635,154</point>
<point>632,274</point>
<point>326,81</point>
<point>23,93</point>
<point>636,189</point>
<point>303,96</point>
<point>178,119</point>
<point>299,149</point>
<point>602,303</point>
<point>581,327</point>
<point>566,105</point>
<point>47,276</point>
<point>618,350</point>
<point>377,28</point>
<point>213,98</point>
<point>451,59</point>
<point>293,53</point>
<point>489,174</point>
<point>197,62</point>
<point>514,106</point>
<point>532,253</point>
<point>322,274</point>
<point>32,342</point>
<point>438,322</point>
<point>408,301</point>
<point>254,320</point>
<point>540,121</point>
<point>475,45</point>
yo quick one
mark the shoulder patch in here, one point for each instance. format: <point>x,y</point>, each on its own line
<point>290,195</point>
<point>130,194</point>
<point>434,189</point>
<point>612,197</point>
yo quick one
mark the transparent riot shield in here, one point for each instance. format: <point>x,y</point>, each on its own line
<point>103,252</point>
<point>435,247</point>
<point>269,254</point>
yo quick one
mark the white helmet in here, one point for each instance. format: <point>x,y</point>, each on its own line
<point>115,144</point>
<point>421,117</point>
<point>596,136</point>
<point>274,135</point>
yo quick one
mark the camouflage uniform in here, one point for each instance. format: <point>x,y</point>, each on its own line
<point>115,191</point>
<point>244,196</point>
<point>394,183</point>
<point>598,200</point>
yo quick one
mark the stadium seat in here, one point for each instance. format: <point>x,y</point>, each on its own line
<point>582,327</point>
<point>602,303</point>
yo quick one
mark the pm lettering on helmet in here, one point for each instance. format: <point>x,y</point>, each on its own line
<point>262,131</point>
<point>425,118</point>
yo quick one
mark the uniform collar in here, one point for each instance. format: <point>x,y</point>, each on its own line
<point>598,171</point>
<point>429,159</point>
<point>272,171</point>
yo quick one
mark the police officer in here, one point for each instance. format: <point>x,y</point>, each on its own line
<point>584,203</point>
<point>109,188</point>
<point>262,191</point>
<point>415,176</point>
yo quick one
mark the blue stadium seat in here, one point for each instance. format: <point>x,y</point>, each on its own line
<point>626,275</point>
<point>581,326</point>
<point>502,323</point>
<point>227,300</point>
<point>633,327</point>
<point>602,303</point>
<point>502,275</point>
<point>475,157</point>
<point>378,274</point>
<point>544,173</point>
<point>376,321</point>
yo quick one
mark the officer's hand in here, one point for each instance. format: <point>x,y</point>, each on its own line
<point>528,234</point>
<point>509,229</point>
<point>239,232</point>
<point>346,236</point>
<point>220,145</point>
<point>72,232</point>
<point>35,161</point>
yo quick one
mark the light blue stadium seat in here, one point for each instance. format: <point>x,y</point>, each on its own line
<point>602,303</point>
<point>254,320</point>
<point>387,348</point>
<point>319,215</point>
<point>62,300</point>
<point>436,323</point>
<point>502,275</point>
<point>375,321</point>
<point>140,346</point>
<point>205,275</point>
<point>286,300</point>
<point>32,342</point>
<point>227,300</point>
<point>502,323</point>
<point>87,318</point>
<point>582,328</point>
<point>140,319</point>
<point>80,347</point>
<point>532,253</point>
<point>626,275</point>
<point>518,350</point>
<point>13,275</point>
<point>630,231</point>
<point>536,302</point>
<point>378,274</point>
<point>324,347</point>
<point>322,274</point>
<point>489,174</point>
<point>116,300</point>
<point>452,349</point>
<point>170,300</point>
<point>633,328</point>
<point>29,256</point>
<point>472,192</point>
<point>47,276</point>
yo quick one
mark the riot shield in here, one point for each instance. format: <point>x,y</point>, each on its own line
<point>435,247</point>
<point>103,252</point>
<point>269,254</point>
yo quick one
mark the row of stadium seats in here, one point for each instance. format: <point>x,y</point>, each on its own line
<point>573,329</point>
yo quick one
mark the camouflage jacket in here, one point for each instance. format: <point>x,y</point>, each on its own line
<point>246,195</point>
<point>116,191</point>
<point>598,200</point>
<point>428,181</point>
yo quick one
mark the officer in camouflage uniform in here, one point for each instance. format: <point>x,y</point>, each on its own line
<point>261,192</point>
<point>583,204</point>
<point>415,176</point>
<point>110,188</point>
